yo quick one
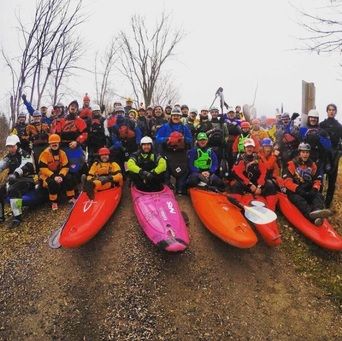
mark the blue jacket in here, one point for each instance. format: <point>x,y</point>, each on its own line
<point>30,109</point>
<point>165,130</point>
<point>324,138</point>
<point>193,155</point>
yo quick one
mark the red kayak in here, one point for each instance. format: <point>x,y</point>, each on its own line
<point>269,232</point>
<point>324,235</point>
<point>87,217</point>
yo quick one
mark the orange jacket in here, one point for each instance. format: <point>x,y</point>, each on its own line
<point>70,130</point>
<point>297,170</point>
<point>38,134</point>
<point>52,163</point>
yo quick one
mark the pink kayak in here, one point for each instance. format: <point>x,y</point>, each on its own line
<point>161,219</point>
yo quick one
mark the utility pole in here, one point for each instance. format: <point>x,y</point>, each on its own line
<point>308,100</point>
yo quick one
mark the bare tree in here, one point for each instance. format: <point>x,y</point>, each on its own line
<point>42,45</point>
<point>144,53</point>
<point>325,28</point>
<point>107,62</point>
<point>165,91</point>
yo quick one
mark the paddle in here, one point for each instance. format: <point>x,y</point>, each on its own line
<point>257,214</point>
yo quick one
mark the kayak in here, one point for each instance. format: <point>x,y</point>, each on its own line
<point>87,217</point>
<point>324,235</point>
<point>161,219</point>
<point>270,231</point>
<point>222,218</point>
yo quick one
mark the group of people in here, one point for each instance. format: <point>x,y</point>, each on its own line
<point>83,148</point>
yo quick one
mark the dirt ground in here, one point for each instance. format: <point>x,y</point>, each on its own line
<point>119,287</point>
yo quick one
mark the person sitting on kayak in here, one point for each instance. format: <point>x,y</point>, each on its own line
<point>102,175</point>
<point>54,172</point>
<point>239,146</point>
<point>303,182</point>
<point>173,140</point>
<point>20,169</point>
<point>203,164</point>
<point>147,169</point>
<point>269,156</point>
<point>250,173</point>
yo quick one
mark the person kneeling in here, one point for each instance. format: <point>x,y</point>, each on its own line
<point>203,164</point>
<point>147,169</point>
<point>102,175</point>
<point>303,182</point>
<point>54,172</point>
<point>250,173</point>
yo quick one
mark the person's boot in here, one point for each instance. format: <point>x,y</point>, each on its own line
<point>324,213</point>
<point>16,221</point>
<point>88,187</point>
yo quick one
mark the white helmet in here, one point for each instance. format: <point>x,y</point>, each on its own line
<point>249,142</point>
<point>96,107</point>
<point>145,140</point>
<point>204,108</point>
<point>12,140</point>
<point>313,113</point>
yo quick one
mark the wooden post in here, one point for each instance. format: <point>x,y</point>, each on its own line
<point>308,100</point>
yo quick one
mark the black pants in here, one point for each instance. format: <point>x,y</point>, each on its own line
<point>194,179</point>
<point>155,185</point>
<point>268,189</point>
<point>309,204</point>
<point>68,184</point>
<point>332,177</point>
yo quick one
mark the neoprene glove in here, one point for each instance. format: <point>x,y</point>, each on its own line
<point>294,116</point>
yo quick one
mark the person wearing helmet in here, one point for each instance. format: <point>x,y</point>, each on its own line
<point>257,132</point>
<point>125,137</point>
<point>203,164</point>
<point>19,129</point>
<point>269,156</point>
<point>96,135</point>
<point>147,169</point>
<point>132,115</point>
<point>303,181</point>
<point>250,173</point>
<point>157,120</point>
<point>37,133</point>
<point>334,129</point>
<point>20,178</point>
<point>102,175</point>
<point>239,142</point>
<point>173,139</point>
<point>129,105</point>
<point>319,141</point>
<point>58,112</point>
<point>43,109</point>
<point>54,173</point>
<point>143,122</point>
<point>86,111</point>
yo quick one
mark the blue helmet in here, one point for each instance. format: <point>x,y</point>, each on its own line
<point>267,142</point>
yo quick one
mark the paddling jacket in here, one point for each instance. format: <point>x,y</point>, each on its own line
<point>271,163</point>
<point>149,162</point>
<point>250,170</point>
<point>38,133</point>
<point>299,173</point>
<point>19,163</point>
<point>167,129</point>
<point>259,134</point>
<point>97,137</point>
<point>53,163</point>
<point>99,169</point>
<point>202,159</point>
<point>334,129</point>
<point>70,129</point>
<point>31,110</point>
<point>156,123</point>
<point>20,130</point>
<point>238,145</point>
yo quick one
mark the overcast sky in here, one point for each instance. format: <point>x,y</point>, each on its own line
<point>233,44</point>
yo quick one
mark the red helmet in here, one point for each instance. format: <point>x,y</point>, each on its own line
<point>104,151</point>
<point>245,124</point>
<point>86,98</point>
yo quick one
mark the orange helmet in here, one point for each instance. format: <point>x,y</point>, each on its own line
<point>104,151</point>
<point>54,138</point>
<point>245,124</point>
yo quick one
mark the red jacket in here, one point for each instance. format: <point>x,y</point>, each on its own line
<point>299,172</point>
<point>70,130</point>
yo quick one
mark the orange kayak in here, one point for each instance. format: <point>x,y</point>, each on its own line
<point>222,218</point>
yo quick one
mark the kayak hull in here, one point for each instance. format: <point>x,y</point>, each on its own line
<point>324,236</point>
<point>87,217</point>
<point>222,218</point>
<point>161,219</point>
<point>269,232</point>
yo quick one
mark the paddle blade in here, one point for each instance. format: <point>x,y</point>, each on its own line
<point>260,215</point>
<point>54,239</point>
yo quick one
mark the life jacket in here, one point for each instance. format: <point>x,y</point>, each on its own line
<point>54,160</point>
<point>215,137</point>
<point>146,162</point>
<point>252,170</point>
<point>71,129</point>
<point>290,142</point>
<point>203,161</point>
<point>312,137</point>
<point>303,172</point>
<point>241,143</point>
<point>86,113</point>
<point>38,133</point>
<point>103,168</point>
